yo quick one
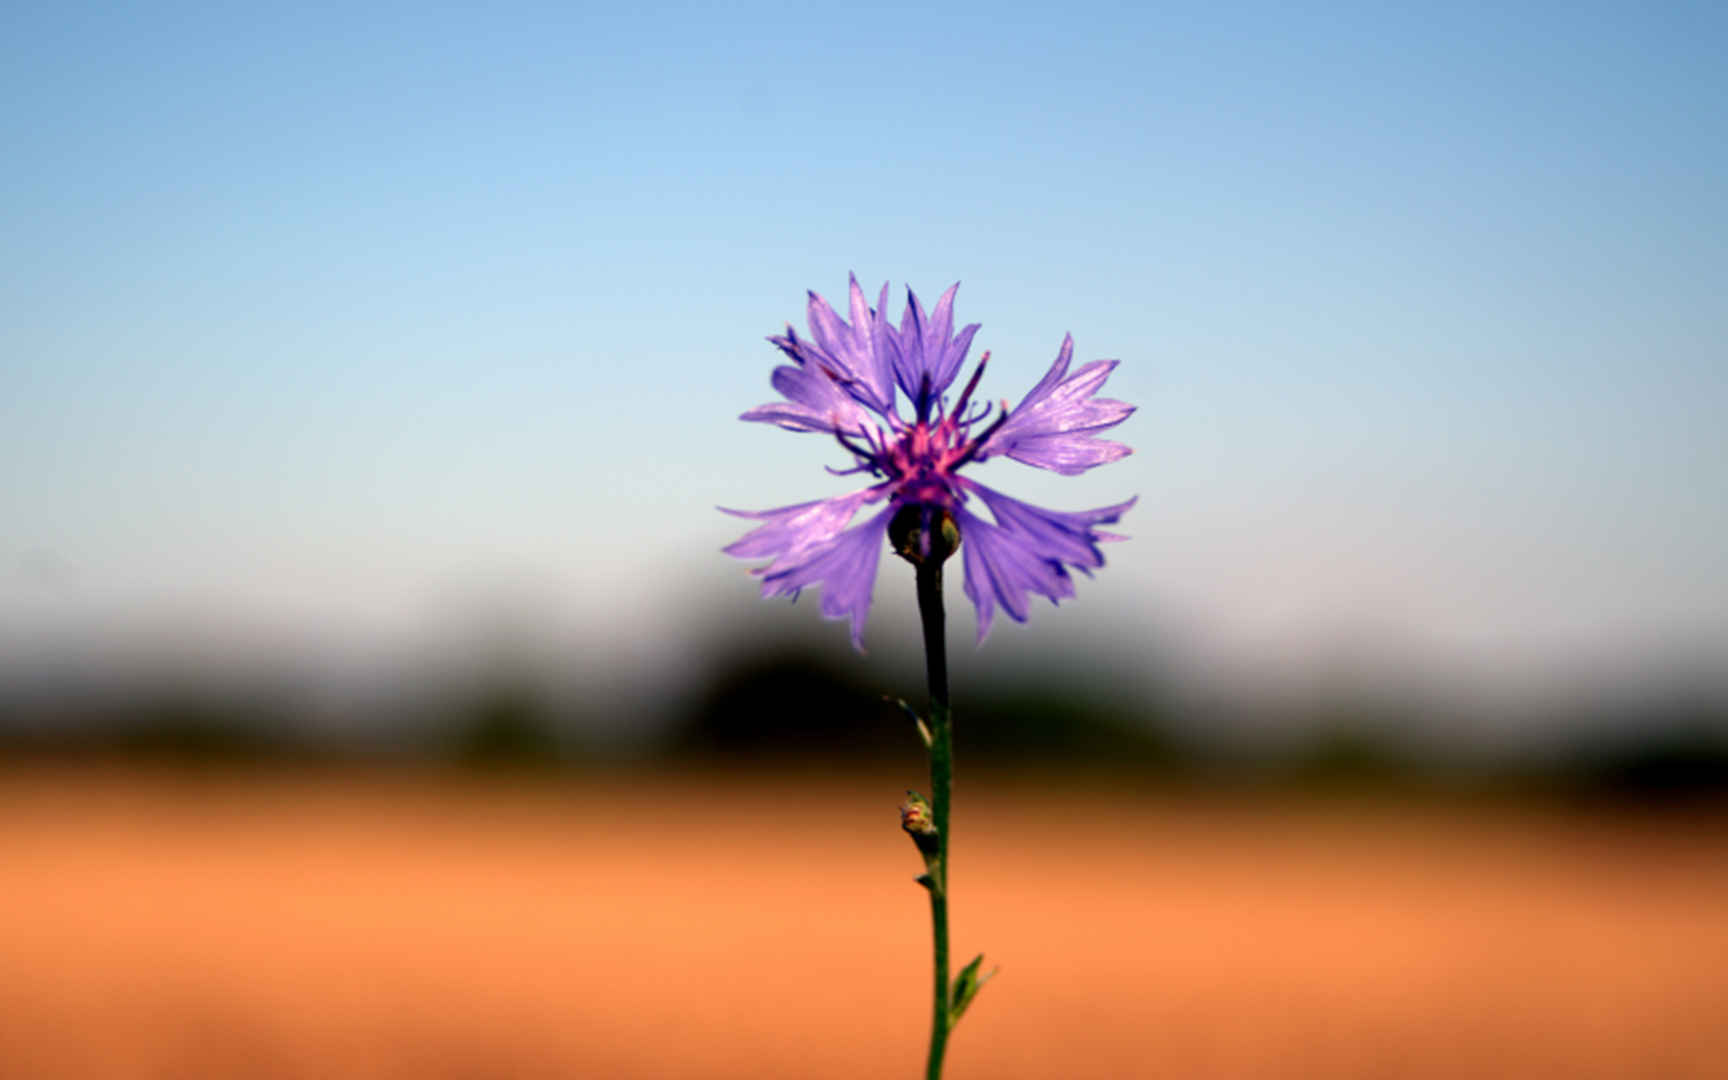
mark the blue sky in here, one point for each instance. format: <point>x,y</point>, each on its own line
<point>326,318</point>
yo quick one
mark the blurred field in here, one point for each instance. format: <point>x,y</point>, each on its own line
<point>340,924</point>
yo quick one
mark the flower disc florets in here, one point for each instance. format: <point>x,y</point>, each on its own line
<point>844,382</point>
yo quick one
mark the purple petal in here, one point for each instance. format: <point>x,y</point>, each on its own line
<point>873,363</point>
<point>814,402</point>
<point>790,417</point>
<point>1067,537</point>
<point>936,334</point>
<point>1055,425</point>
<point>1058,369</point>
<point>909,347</point>
<point>924,346</point>
<point>955,355</point>
<point>1069,455</point>
<point>871,368</point>
<point>845,568</point>
<point>829,330</point>
<point>1001,568</point>
<point>882,341</point>
<point>791,530</point>
<point>851,349</point>
<point>1024,552</point>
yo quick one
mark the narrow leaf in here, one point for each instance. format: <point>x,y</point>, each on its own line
<point>966,987</point>
<point>923,729</point>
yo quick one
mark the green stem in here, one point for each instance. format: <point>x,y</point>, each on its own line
<point>941,783</point>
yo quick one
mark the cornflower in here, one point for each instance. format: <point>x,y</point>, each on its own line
<point>846,380</point>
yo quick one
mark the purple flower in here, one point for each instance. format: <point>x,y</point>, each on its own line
<point>843,380</point>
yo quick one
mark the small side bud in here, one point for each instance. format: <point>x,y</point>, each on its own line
<point>924,533</point>
<point>919,823</point>
<point>915,815</point>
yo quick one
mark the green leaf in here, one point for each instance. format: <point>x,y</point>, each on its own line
<point>923,729</point>
<point>966,987</point>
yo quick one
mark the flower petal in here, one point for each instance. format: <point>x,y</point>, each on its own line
<point>1071,538</point>
<point>927,345</point>
<point>1002,569</point>
<point>936,334</point>
<point>954,355</point>
<point>923,344</point>
<point>1055,425</point>
<point>814,401</point>
<point>909,347</point>
<point>845,568</point>
<point>851,350</point>
<point>788,531</point>
<point>1025,550</point>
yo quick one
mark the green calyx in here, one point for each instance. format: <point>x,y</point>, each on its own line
<point>923,533</point>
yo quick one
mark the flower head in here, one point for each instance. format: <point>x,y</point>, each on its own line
<point>846,381</point>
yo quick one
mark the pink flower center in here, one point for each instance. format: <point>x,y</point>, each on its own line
<point>919,464</point>
<point>922,461</point>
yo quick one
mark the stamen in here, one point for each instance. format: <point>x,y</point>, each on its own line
<point>877,440</point>
<point>922,405</point>
<point>971,384</point>
<point>863,455</point>
<point>983,411</point>
<point>973,447</point>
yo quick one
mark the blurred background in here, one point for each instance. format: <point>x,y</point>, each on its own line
<point>375,699</point>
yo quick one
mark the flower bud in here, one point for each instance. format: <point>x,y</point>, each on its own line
<point>921,532</point>
<point>919,823</point>
<point>915,815</point>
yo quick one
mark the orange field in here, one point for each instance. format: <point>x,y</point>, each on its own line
<point>337,925</point>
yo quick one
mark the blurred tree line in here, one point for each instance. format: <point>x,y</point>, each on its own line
<point>784,701</point>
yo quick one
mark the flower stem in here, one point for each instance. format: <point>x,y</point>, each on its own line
<point>941,782</point>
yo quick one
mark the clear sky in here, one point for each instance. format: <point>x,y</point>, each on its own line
<point>326,321</point>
